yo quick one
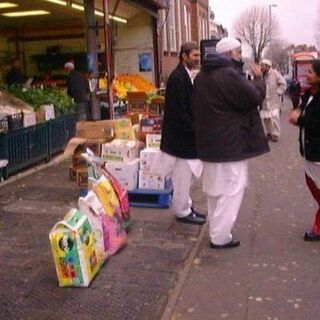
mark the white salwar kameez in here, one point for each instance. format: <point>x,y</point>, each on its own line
<point>182,172</point>
<point>224,184</point>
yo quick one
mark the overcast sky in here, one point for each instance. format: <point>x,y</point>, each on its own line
<point>297,18</point>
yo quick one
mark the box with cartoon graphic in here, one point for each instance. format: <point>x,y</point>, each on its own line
<point>76,256</point>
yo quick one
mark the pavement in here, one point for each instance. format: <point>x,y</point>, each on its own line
<point>167,270</point>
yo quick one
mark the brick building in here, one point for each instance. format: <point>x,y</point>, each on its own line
<point>181,21</point>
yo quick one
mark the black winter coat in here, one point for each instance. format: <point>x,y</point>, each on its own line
<point>178,133</point>
<point>76,86</point>
<point>228,124</point>
<point>310,121</point>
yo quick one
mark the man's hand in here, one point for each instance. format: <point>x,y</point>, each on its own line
<point>256,70</point>
<point>294,115</point>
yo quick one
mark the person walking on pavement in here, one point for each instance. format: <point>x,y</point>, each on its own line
<point>228,133</point>
<point>295,93</point>
<point>77,89</point>
<point>178,155</point>
<point>307,117</point>
<point>270,110</point>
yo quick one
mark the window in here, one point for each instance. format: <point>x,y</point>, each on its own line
<point>179,24</point>
<point>164,30</point>
<point>172,26</point>
<point>187,25</point>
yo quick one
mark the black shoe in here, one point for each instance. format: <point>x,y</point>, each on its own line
<point>192,218</point>
<point>231,244</point>
<point>310,236</point>
<point>203,216</point>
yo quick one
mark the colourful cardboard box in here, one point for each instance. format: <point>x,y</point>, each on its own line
<point>76,256</point>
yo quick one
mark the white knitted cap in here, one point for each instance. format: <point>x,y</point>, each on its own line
<point>69,65</point>
<point>266,62</point>
<point>227,44</point>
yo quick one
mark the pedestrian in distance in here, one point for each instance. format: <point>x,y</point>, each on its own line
<point>307,117</point>
<point>270,110</point>
<point>295,93</point>
<point>178,154</point>
<point>15,77</point>
<point>77,89</point>
<point>228,133</point>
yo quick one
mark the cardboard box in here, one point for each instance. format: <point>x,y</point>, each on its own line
<point>146,158</point>
<point>95,130</point>
<point>153,141</point>
<point>123,129</point>
<point>29,119</point>
<point>151,124</point>
<point>76,256</point>
<point>153,181</point>
<point>121,150</point>
<point>125,173</point>
<point>45,113</point>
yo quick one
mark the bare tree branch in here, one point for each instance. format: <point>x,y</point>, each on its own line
<point>253,28</point>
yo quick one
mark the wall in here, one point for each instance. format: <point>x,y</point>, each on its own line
<point>133,39</point>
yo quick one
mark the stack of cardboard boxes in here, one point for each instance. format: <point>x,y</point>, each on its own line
<point>147,179</point>
<point>122,161</point>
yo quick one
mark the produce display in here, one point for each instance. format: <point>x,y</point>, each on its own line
<point>39,97</point>
<point>124,83</point>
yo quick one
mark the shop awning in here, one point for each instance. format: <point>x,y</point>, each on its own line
<point>150,6</point>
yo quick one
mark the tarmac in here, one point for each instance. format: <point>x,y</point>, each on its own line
<point>167,270</point>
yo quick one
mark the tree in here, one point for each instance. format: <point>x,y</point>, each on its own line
<point>278,52</point>
<point>254,28</point>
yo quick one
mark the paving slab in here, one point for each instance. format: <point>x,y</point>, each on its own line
<point>133,284</point>
<point>274,274</point>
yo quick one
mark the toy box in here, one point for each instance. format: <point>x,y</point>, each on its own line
<point>76,256</point>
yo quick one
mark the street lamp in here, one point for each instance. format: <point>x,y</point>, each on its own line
<point>270,20</point>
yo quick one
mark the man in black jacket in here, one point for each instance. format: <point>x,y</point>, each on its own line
<point>229,132</point>
<point>179,155</point>
<point>77,89</point>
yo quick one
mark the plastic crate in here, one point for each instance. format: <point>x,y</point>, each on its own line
<point>148,198</point>
<point>4,125</point>
<point>15,121</point>
<point>11,122</point>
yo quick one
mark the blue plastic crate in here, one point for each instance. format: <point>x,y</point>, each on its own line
<point>147,198</point>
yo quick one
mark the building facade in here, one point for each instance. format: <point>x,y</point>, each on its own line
<point>181,21</point>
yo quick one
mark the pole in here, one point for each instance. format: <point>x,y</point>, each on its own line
<point>92,52</point>
<point>108,55</point>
